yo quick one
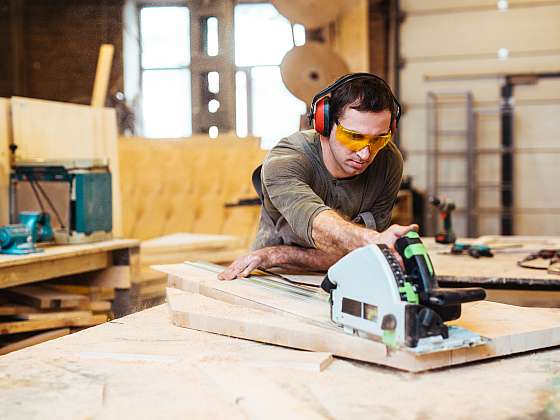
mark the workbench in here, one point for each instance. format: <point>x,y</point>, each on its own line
<point>141,366</point>
<point>114,263</point>
<point>500,275</point>
<point>63,260</point>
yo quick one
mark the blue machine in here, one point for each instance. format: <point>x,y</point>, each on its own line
<point>20,239</point>
<point>76,194</point>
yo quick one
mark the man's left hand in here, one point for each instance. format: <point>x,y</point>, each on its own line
<point>244,265</point>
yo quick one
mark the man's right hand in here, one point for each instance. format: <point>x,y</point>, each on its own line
<point>392,233</point>
<point>390,236</point>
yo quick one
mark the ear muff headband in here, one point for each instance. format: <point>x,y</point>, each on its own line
<point>321,118</point>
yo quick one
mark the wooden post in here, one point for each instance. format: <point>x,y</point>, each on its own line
<point>102,75</point>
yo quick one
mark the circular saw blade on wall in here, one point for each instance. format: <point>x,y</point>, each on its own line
<point>310,68</point>
<point>310,13</point>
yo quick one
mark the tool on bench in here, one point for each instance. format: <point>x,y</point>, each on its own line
<point>475,251</point>
<point>76,193</point>
<point>445,207</point>
<point>544,254</point>
<point>373,297</point>
<point>20,239</point>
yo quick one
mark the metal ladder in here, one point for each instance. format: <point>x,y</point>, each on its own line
<point>439,129</point>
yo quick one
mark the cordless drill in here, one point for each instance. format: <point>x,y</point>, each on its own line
<point>445,207</point>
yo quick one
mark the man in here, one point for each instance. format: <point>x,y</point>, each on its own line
<point>329,191</point>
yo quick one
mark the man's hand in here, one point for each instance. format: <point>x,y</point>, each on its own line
<point>394,232</point>
<point>390,236</point>
<point>243,265</point>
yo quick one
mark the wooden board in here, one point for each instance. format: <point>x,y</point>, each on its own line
<point>36,339</point>
<point>276,316</point>
<point>47,324</point>
<point>182,242</point>
<point>67,315</point>
<point>43,298</point>
<point>47,130</point>
<point>57,261</point>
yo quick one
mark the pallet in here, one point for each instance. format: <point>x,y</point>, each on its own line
<point>251,309</point>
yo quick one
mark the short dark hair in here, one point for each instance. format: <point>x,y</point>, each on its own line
<point>366,94</point>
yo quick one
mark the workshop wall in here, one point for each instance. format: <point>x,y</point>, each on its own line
<point>450,38</point>
<point>52,46</point>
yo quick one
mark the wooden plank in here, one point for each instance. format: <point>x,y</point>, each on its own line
<point>352,36</point>
<point>91,292</point>
<point>510,329</point>
<point>100,306</point>
<point>43,298</point>
<point>66,315</point>
<point>206,314</point>
<point>102,75</point>
<point>246,293</point>
<point>64,251</point>
<point>36,339</point>
<point>183,242</point>
<point>24,326</point>
<point>49,269</point>
<point>5,141</point>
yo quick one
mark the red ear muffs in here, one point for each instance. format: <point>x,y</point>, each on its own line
<point>321,117</point>
<point>394,126</point>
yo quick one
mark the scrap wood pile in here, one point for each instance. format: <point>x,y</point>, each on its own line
<point>35,313</point>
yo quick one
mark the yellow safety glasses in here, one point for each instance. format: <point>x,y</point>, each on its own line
<point>356,141</point>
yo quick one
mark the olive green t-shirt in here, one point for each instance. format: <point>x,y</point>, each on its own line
<point>297,186</point>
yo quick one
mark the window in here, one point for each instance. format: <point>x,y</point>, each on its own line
<point>264,107</point>
<point>166,79</point>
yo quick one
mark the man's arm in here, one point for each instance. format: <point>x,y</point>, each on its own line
<point>334,237</point>
<point>283,256</point>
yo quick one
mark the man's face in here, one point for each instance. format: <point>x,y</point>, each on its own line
<point>348,162</point>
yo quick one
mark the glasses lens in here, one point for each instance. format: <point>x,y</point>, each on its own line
<point>357,141</point>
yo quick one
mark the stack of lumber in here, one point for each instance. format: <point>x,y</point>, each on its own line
<point>31,314</point>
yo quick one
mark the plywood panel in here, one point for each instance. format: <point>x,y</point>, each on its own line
<point>187,189</point>
<point>5,140</point>
<point>46,130</point>
<point>481,33</point>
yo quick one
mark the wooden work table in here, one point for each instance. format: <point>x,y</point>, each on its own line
<point>63,260</point>
<point>141,366</point>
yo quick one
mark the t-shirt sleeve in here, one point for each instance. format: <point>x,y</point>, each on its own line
<point>382,208</point>
<point>286,180</point>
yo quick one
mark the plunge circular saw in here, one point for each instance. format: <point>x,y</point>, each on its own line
<point>372,296</point>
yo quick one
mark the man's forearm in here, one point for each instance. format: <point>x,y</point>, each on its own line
<point>334,235</point>
<point>297,258</point>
